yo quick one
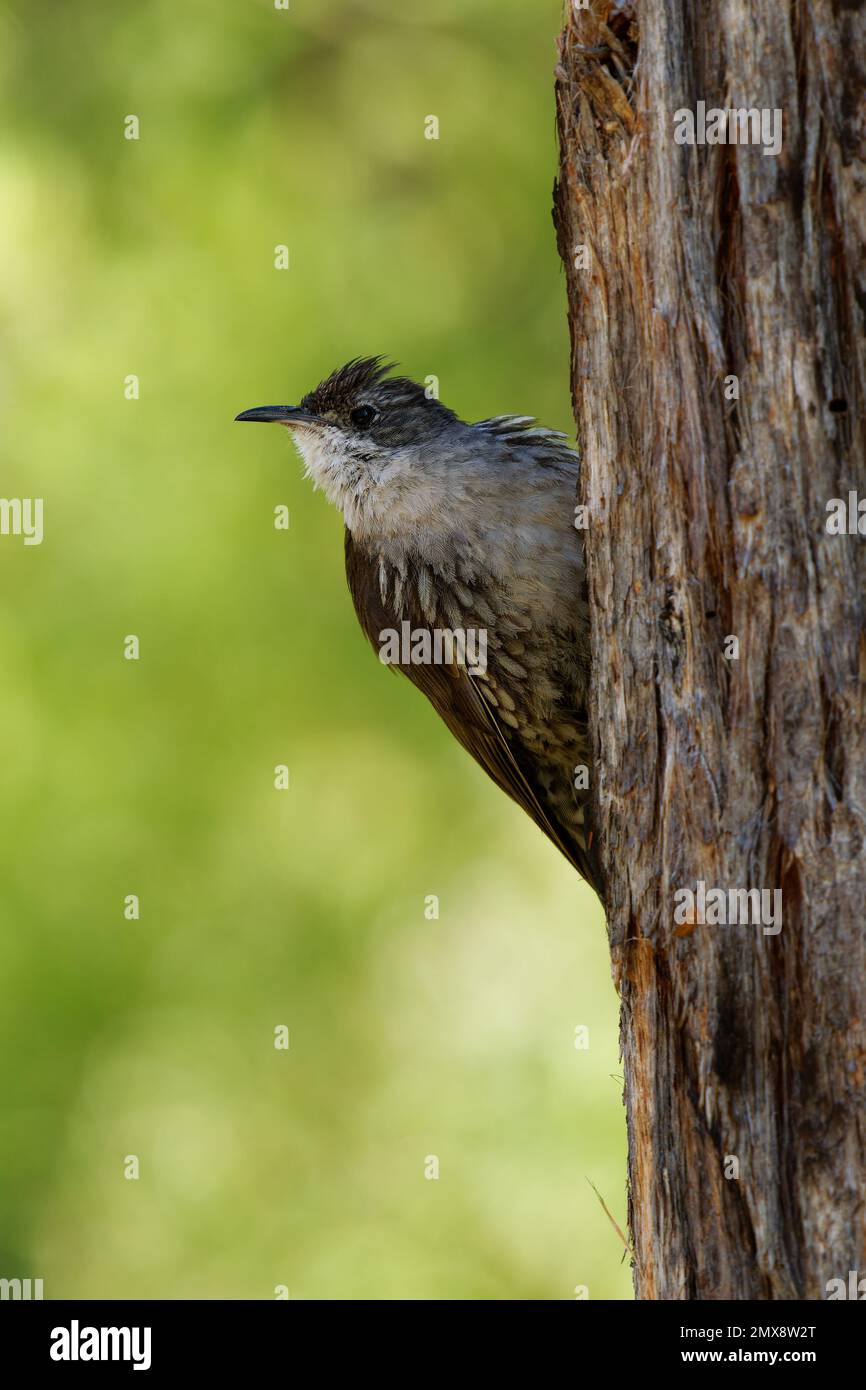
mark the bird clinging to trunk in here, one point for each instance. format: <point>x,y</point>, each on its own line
<point>466,572</point>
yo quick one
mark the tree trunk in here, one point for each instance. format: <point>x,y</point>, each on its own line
<point>719,382</point>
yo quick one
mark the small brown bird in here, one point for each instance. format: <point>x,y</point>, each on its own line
<point>466,572</point>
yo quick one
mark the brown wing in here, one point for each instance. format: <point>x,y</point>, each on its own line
<point>457,700</point>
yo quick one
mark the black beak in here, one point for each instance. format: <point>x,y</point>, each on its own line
<point>280,414</point>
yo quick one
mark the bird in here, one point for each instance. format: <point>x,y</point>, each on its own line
<point>466,528</point>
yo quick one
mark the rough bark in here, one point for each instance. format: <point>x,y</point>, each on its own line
<point>707,519</point>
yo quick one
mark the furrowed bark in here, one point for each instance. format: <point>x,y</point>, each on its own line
<point>708,520</point>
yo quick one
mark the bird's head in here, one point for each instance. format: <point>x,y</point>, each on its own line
<point>379,446</point>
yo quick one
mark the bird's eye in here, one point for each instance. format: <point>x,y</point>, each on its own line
<point>363,415</point>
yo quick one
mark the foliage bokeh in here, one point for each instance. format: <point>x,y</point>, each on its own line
<point>408,1037</point>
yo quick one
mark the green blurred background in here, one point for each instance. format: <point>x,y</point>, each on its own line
<point>409,1037</point>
